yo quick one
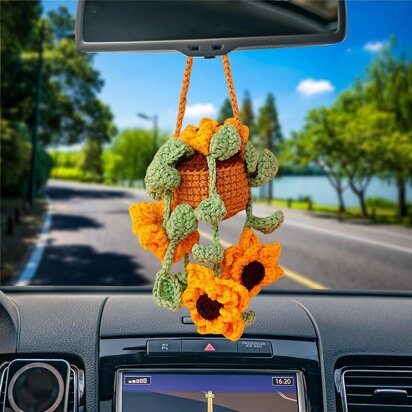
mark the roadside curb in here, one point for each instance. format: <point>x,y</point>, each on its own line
<point>36,256</point>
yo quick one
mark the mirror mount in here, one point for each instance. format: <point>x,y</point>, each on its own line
<point>156,25</point>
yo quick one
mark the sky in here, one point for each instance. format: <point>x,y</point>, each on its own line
<point>301,78</point>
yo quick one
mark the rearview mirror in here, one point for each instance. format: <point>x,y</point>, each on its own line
<point>206,27</point>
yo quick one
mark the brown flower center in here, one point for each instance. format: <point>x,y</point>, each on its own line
<point>208,308</point>
<point>252,275</point>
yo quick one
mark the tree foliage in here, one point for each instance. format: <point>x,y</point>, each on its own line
<point>269,130</point>
<point>128,157</point>
<point>15,156</point>
<point>70,108</point>
<point>364,129</point>
<point>388,84</point>
<point>269,133</point>
<point>247,114</point>
<point>367,132</point>
<point>319,143</point>
<point>225,111</point>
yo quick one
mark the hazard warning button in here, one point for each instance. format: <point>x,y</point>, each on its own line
<point>208,347</point>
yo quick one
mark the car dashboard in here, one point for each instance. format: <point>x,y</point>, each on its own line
<point>318,351</point>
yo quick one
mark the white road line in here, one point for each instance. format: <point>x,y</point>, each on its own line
<point>369,230</point>
<point>351,237</point>
<point>33,263</point>
<point>387,233</point>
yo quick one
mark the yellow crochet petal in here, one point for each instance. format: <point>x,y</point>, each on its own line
<point>147,225</point>
<point>226,300</point>
<point>252,264</point>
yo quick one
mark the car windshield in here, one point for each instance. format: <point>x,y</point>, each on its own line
<point>78,132</point>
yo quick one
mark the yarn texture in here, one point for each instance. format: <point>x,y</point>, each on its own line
<point>205,174</point>
<point>228,296</point>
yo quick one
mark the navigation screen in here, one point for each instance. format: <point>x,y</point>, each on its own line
<point>205,392</point>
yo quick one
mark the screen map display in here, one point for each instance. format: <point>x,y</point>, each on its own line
<point>207,392</point>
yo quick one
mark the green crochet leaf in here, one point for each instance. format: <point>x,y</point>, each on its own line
<point>267,224</point>
<point>208,254</point>
<point>167,291</point>
<point>211,210</point>
<point>249,318</point>
<point>266,169</point>
<point>181,223</point>
<point>182,278</point>
<point>172,151</point>
<point>251,157</point>
<point>225,143</point>
<point>160,179</point>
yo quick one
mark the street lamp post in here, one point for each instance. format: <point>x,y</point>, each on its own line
<point>154,120</point>
<point>35,136</point>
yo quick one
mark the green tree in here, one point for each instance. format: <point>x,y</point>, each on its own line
<point>19,28</point>
<point>269,133</point>
<point>92,164</point>
<point>225,111</point>
<point>70,109</point>
<point>15,158</point>
<point>129,156</point>
<point>70,83</point>
<point>388,85</point>
<point>246,113</point>
<point>319,143</point>
<point>78,114</point>
<point>363,133</point>
<point>101,131</point>
<point>269,129</point>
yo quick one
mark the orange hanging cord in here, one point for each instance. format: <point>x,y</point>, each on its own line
<point>232,93</point>
<point>185,89</point>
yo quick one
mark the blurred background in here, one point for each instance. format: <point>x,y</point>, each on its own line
<point>79,130</point>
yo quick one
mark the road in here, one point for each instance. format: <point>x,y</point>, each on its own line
<point>90,243</point>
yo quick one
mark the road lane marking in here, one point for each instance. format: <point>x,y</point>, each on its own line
<point>385,232</point>
<point>296,215</point>
<point>351,237</point>
<point>303,280</point>
<point>35,258</point>
<point>140,195</point>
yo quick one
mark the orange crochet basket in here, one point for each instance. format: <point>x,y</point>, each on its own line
<point>232,182</point>
<point>231,176</point>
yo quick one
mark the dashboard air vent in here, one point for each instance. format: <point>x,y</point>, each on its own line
<point>75,392</point>
<point>76,389</point>
<point>367,390</point>
<point>3,372</point>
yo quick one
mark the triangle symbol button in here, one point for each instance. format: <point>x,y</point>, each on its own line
<point>209,348</point>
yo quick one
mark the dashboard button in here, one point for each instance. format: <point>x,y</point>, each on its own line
<point>164,347</point>
<point>208,347</point>
<point>254,347</point>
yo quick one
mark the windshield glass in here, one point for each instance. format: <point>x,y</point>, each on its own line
<point>78,132</point>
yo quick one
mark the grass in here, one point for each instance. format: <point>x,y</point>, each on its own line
<point>15,246</point>
<point>384,214</point>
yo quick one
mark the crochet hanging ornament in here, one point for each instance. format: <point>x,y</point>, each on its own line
<point>206,173</point>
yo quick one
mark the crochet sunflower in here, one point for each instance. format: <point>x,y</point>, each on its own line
<point>252,264</point>
<point>216,304</point>
<point>205,174</point>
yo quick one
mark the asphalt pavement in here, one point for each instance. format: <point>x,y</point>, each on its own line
<point>90,242</point>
